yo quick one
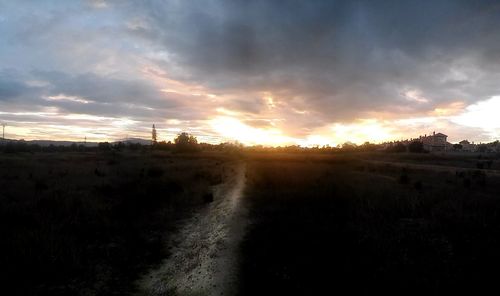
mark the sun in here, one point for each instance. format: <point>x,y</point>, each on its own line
<point>231,128</point>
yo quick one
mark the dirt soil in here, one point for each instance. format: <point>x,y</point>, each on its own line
<point>204,252</point>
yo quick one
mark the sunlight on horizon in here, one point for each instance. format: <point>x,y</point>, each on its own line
<point>227,125</point>
<point>233,129</point>
<point>365,130</point>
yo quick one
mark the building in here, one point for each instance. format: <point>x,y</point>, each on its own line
<point>435,142</point>
<point>467,146</point>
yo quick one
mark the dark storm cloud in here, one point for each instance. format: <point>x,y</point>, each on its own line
<point>322,62</point>
<point>102,89</point>
<point>11,87</point>
<point>342,57</point>
<point>88,93</point>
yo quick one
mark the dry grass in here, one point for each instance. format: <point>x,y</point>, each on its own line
<point>344,224</point>
<point>88,223</point>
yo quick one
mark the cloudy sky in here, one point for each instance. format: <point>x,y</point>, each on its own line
<point>261,71</point>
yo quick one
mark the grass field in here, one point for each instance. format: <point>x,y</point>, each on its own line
<point>370,223</point>
<point>89,223</point>
<point>92,223</point>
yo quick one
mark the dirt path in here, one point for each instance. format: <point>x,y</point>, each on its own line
<point>204,257</point>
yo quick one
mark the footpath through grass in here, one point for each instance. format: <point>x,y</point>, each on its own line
<point>89,223</point>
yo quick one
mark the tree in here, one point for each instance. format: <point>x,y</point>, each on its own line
<point>104,146</point>
<point>185,142</point>
<point>348,146</point>
<point>457,147</point>
<point>367,146</point>
<point>153,135</point>
<point>398,148</point>
<point>482,148</point>
<point>416,147</point>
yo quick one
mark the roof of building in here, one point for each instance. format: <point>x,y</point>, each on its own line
<point>440,135</point>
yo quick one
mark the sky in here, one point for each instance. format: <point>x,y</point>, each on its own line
<point>258,72</point>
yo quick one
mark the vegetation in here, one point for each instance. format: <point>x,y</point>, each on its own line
<point>154,138</point>
<point>416,147</point>
<point>397,148</point>
<point>185,142</point>
<point>79,220</point>
<point>87,223</point>
<point>356,224</point>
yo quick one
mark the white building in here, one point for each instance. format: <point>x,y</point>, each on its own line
<point>467,146</point>
<point>434,142</point>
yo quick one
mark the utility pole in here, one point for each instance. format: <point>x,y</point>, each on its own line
<point>3,131</point>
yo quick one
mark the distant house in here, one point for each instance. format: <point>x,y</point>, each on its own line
<point>467,146</point>
<point>435,142</point>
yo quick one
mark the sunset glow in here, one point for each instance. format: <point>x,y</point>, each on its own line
<point>110,71</point>
<point>232,129</point>
<point>249,147</point>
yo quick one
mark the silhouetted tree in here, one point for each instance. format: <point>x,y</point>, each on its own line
<point>185,142</point>
<point>104,146</point>
<point>348,146</point>
<point>457,147</point>
<point>153,135</point>
<point>367,146</point>
<point>416,147</point>
<point>398,148</point>
<point>482,148</point>
<point>119,146</point>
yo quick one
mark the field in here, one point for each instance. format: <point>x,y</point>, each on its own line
<point>371,223</point>
<point>89,223</point>
<point>146,223</point>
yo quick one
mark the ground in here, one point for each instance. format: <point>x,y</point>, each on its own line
<point>91,223</point>
<point>204,251</point>
<point>157,223</point>
<point>371,223</point>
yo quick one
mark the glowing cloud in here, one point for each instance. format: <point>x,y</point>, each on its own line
<point>362,131</point>
<point>415,95</point>
<point>483,114</point>
<point>233,129</point>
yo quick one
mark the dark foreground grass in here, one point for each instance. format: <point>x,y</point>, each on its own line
<point>336,224</point>
<point>89,223</point>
